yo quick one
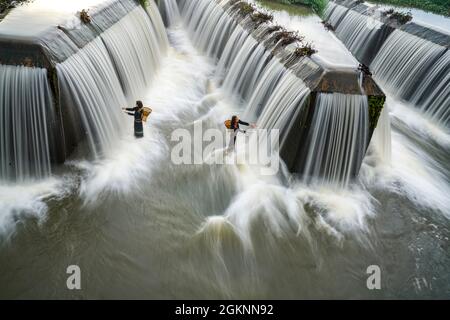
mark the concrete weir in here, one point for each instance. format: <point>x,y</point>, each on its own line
<point>49,37</point>
<point>365,28</point>
<point>410,61</point>
<point>93,68</point>
<point>38,44</point>
<point>299,139</point>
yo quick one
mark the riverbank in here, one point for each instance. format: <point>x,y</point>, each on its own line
<point>317,5</point>
<point>441,7</point>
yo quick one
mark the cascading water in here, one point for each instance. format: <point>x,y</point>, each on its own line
<point>103,68</point>
<point>88,80</point>
<point>339,138</point>
<point>169,11</point>
<point>269,81</point>
<point>407,65</point>
<point>361,34</point>
<point>334,14</point>
<point>25,121</point>
<point>249,70</point>
<point>281,109</point>
<point>142,227</point>
<point>110,72</point>
<point>135,48</point>
<point>208,26</point>
<point>433,94</point>
<point>247,64</point>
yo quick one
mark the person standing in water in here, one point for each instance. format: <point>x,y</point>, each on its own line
<point>136,112</point>
<point>235,122</point>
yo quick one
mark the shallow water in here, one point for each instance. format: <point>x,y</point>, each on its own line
<point>141,227</point>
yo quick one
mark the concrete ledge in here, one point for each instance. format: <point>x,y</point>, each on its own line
<point>33,51</point>
<point>413,28</point>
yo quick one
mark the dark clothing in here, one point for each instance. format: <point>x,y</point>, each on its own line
<point>236,126</point>
<point>138,126</point>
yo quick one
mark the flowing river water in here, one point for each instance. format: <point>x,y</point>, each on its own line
<point>140,226</point>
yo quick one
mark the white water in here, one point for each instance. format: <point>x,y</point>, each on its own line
<point>433,96</point>
<point>359,33</point>
<point>403,62</point>
<point>412,69</point>
<point>339,139</point>
<point>334,13</point>
<point>25,115</point>
<point>169,12</point>
<point>407,67</point>
<point>110,73</point>
<point>282,107</point>
<point>143,204</point>
<point>88,80</point>
<point>28,200</point>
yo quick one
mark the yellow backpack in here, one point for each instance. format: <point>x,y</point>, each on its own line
<point>145,113</point>
<point>227,124</point>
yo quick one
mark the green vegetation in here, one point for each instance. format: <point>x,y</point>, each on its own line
<point>143,3</point>
<point>262,17</point>
<point>291,9</point>
<point>9,4</point>
<point>400,17</point>
<point>246,8</point>
<point>437,6</point>
<point>317,5</point>
<point>376,105</point>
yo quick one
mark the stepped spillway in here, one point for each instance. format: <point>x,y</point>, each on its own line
<point>410,61</point>
<point>77,76</point>
<point>286,91</point>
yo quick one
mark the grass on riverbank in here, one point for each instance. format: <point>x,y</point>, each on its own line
<point>441,7</point>
<point>317,5</point>
<point>293,10</point>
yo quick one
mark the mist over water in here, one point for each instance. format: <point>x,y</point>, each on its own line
<point>140,226</point>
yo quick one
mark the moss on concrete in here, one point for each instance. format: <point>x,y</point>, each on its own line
<point>376,105</point>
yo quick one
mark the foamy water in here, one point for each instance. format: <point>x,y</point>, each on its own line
<point>162,230</point>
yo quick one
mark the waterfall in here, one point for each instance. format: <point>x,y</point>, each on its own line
<point>338,140</point>
<point>362,35</point>
<point>247,65</point>
<point>25,117</point>
<point>136,51</point>
<point>100,68</point>
<point>283,106</point>
<point>208,25</point>
<point>88,80</point>
<point>433,94</point>
<point>111,72</point>
<point>169,11</point>
<point>243,63</point>
<point>328,10</point>
<point>248,69</point>
<point>408,67</point>
<point>268,83</point>
<point>381,139</point>
<point>276,98</point>
<point>335,13</point>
